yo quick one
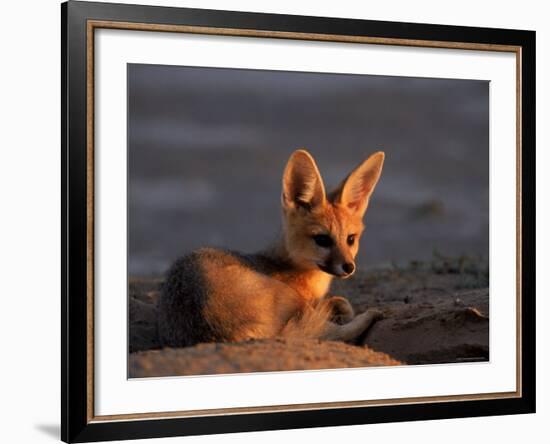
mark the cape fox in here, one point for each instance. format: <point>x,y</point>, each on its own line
<point>214,295</point>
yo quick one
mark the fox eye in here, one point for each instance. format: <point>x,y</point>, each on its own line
<point>351,239</point>
<point>323,240</point>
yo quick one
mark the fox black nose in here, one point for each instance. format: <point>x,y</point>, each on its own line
<point>348,267</point>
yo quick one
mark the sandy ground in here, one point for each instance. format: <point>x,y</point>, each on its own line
<point>254,356</point>
<point>434,312</point>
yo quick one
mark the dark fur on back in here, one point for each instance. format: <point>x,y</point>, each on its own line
<point>263,262</point>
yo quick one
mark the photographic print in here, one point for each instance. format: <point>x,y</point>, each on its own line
<point>292,221</point>
<point>275,221</point>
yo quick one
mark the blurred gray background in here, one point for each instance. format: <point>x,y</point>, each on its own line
<point>207,148</point>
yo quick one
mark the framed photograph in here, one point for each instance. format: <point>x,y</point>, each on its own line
<point>275,221</point>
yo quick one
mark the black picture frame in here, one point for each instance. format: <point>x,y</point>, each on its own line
<point>76,423</point>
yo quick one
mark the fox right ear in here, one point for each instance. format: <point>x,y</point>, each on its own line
<point>302,183</point>
<point>354,193</point>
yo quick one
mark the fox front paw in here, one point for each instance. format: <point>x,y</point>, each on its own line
<point>368,318</point>
<point>375,314</point>
<point>342,311</point>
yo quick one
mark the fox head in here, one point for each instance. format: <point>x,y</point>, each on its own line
<point>322,231</point>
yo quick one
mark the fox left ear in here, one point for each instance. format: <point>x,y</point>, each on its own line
<point>356,189</point>
<point>302,183</point>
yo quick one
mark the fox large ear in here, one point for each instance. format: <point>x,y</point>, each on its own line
<point>302,183</point>
<point>356,189</point>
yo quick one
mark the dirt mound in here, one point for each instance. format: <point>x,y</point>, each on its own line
<point>254,356</point>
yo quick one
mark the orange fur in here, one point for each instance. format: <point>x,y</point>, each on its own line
<point>226,296</point>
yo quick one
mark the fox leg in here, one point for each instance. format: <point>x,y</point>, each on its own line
<point>352,329</point>
<point>342,311</point>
